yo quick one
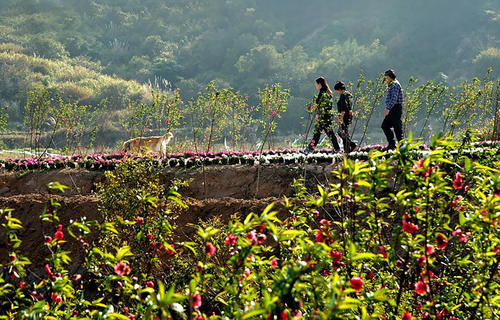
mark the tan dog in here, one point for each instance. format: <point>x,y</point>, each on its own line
<point>149,144</point>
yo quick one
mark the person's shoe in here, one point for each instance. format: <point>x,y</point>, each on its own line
<point>390,147</point>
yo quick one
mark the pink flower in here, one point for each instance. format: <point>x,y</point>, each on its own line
<point>231,239</point>
<point>150,284</point>
<point>76,277</point>
<point>274,263</point>
<point>421,288</point>
<point>139,220</point>
<point>122,269</point>
<point>462,237</point>
<point>196,301</point>
<point>458,183</point>
<point>357,283</point>
<point>406,316</point>
<point>252,236</point>
<point>209,249</point>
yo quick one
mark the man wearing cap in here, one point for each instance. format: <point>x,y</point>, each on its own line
<point>393,110</point>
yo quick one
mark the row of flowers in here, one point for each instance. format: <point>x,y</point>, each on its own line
<point>197,159</point>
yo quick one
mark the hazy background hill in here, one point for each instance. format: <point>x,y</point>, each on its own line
<point>90,50</point>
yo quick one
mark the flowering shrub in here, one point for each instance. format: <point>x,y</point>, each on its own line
<point>393,237</point>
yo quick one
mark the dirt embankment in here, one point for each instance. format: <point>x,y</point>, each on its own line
<point>216,191</point>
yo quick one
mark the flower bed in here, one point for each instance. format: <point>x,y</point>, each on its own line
<point>192,159</point>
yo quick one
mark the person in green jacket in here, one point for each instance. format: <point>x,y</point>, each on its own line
<point>344,107</point>
<point>324,116</point>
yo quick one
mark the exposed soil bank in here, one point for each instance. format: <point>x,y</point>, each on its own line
<point>242,182</point>
<point>28,208</point>
<point>217,191</point>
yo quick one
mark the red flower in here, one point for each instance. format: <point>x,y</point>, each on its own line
<point>284,315</point>
<point>383,252</point>
<point>357,283</point>
<point>419,164</point>
<point>139,220</point>
<point>252,236</point>
<point>336,255</point>
<point>371,275</point>
<point>55,297</point>
<point>122,269</point>
<point>59,235</point>
<point>409,227</point>
<point>47,270</point>
<point>421,261</point>
<point>150,284</point>
<point>76,277</point>
<point>150,236</point>
<point>209,249</point>
<point>441,241</point>
<point>406,316</point>
<point>458,183</point>
<point>198,317</point>
<point>462,237</point>
<point>48,239</point>
<point>421,288</point>
<point>172,250</point>
<point>196,301</point>
<point>319,236</point>
<point>261,238</point>
<point>21,285</point>
<point>430,249</point>
<point>231,239</point>
<point>274,263</point>
<point>325,223</point>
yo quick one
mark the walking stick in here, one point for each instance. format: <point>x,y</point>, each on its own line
<point>306,136</point>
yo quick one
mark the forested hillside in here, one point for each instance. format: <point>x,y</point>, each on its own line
<point>90,50</point>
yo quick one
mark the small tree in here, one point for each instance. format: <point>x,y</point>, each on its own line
<point>273,102</point>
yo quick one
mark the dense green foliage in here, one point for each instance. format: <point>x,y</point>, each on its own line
<point>394,237</point>
<point>84,49</point>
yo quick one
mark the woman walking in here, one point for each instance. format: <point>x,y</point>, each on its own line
<point>344,107</point>
<point>324,115</point>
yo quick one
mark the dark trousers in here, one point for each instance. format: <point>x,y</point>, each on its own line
<point>346,138</point>
<point>393,121</point>
<point>325,126</point>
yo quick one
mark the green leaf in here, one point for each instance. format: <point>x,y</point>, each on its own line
<point>253,313</point>
<point>116,316</point>
<point>57,186</point>
<point>364,255</point>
